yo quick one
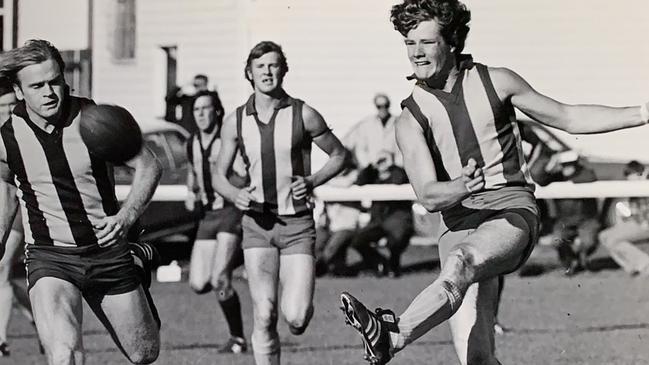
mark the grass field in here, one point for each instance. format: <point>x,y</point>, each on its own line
<point>592,318</point>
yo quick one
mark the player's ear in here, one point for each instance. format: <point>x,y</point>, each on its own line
<point>18,91</point>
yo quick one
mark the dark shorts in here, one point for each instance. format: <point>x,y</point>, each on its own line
<point>96,272</point>
<point>492,205</point>
<point>226,219</point>
<point>290,234</point>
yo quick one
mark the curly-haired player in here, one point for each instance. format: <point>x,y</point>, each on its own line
<point>462,152</point>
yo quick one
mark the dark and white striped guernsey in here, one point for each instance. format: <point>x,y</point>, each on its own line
<point>202,158</point>
<point>62,188</point>
<point>274,152</point>
<point>471,122</point>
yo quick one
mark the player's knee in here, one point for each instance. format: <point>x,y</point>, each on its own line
<point>298,319</point>
<point>223,288</point>
<point>143,357</point>
<point>145,353</point>
<point>200,287</point>
<point>265,315</point>
<point>463,260</point>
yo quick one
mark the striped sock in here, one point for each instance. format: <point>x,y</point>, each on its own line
<point>432,306</point>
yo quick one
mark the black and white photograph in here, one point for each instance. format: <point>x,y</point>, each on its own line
<point>324,182</point>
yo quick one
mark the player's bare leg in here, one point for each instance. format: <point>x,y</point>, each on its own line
<point>201,265</point>
<point>495,247</point>
<point>132,325</point>
<point>6,292</point>
<point>472,326</point>
<point>225,261</point>
<point>58,313</point>
<point>262,266</point>
<point>297,277</point>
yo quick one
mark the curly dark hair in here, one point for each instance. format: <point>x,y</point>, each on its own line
<point>452,16</point>
<point>261,49</point>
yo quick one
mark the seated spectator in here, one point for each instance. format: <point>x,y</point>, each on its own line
<point>390,220</point>
<point>619,239</point>
<point>341,220</point>
<point>576,222</point>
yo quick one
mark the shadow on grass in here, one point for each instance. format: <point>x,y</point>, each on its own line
<point>603,263</point>
<point>293,347</point>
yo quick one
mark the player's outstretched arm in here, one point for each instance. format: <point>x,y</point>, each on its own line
<point>434,195</point>
<point>577,119</point>
<point>148,171</point>
<point>8,204</point>
<point>322,136</point>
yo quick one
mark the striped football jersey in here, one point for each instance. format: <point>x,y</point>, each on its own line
<point>62,188</point>
<point>471,122</point>
<point>273,153</point>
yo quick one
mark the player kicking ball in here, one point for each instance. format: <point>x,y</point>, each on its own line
<point>75,231</point>
<point>462,152</point>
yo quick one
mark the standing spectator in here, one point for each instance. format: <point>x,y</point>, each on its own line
<point>619,239</point>
<point>367,141</point>
<point>184,97</point>
<point>374,134</point>
<point>391,220</point>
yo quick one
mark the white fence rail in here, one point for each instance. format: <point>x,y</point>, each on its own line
<point>368,193</point>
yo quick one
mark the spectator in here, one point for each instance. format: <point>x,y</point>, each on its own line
<point>391,220</point>
<point>619,239</point>
<point>366,141</point>
<point>341,222</point>
<point>184,98</point>
<point>576,222</point>
<point>374,134</point>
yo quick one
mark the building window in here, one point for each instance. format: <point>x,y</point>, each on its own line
<point>124,48</point>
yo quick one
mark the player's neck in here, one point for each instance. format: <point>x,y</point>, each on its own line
<point>48,124</point>
<point>207,135</point>
<point>268,101</point>
<point>445,78</point>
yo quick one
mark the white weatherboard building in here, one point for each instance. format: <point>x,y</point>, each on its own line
<point>341,52</point>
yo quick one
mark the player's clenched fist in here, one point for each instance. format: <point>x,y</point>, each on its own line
<point>473,176</point>
<point>244,198</point>
<point>301,187</point>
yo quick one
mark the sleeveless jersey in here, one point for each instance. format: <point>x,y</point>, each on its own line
<point>273,152</point>
<point>202,159</point>
<point>471,122</point>
<point>62,188</point>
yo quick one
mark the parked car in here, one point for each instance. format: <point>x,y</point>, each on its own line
<point>162,219</point>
